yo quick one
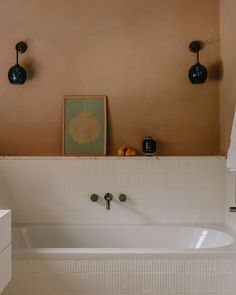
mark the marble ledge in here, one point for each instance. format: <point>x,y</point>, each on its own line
<point>127,158</point>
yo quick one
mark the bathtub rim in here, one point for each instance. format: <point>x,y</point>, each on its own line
<point>101,254</point>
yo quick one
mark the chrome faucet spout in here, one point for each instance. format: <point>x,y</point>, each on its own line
<point>108,204</point>
<point>108,197</point>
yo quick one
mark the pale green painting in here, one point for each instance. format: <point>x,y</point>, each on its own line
<point>84,126</point>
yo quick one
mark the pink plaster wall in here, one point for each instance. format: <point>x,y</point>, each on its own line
<point>133,51</point>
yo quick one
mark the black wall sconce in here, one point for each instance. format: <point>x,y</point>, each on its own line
<point>17,74</point>
<point>197,73</point>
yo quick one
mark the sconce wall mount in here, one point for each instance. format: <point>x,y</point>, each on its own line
<point>197,73</point>
<point>17,74</point>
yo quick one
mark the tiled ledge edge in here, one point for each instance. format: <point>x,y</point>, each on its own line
<point>130,158</point>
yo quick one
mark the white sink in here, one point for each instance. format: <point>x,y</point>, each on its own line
<point>5,248</point>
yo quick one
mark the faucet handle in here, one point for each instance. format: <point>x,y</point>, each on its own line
<point>94,198</point>
<point>122,198</point>
<point>108,196</point>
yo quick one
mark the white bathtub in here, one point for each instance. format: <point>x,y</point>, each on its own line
<point>145,239</point>
<point>127,260</point>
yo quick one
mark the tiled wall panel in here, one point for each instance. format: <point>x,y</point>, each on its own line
<point>230,197</point>
<point>164,190</point>
<point>192,276</point>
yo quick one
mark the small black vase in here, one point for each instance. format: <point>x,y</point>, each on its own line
<point>197,74</point>
<point>149,146</point>
<point>17,75</point>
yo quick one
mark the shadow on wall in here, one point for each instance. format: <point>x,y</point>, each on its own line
<point>30,65</point>
<point>216,71</point>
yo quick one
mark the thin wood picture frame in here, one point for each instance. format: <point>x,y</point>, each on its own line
<point>84,125</point>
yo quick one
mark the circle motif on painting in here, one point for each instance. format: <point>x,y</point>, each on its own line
<point>84,128</point>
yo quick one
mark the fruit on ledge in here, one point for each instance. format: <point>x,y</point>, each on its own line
<point>130,152</point>
<point>122,150</point>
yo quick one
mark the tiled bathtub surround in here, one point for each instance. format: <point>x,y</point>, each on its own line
<point>165,275</point>
<point>164,190</point>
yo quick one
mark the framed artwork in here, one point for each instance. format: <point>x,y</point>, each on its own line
<point>84,125</point>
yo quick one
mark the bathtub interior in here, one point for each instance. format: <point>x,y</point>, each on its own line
<point>122,237</point>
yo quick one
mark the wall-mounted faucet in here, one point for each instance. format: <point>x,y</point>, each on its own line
<point>108,197</point>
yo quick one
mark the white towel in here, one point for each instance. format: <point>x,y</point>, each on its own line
<point>231,158</point>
